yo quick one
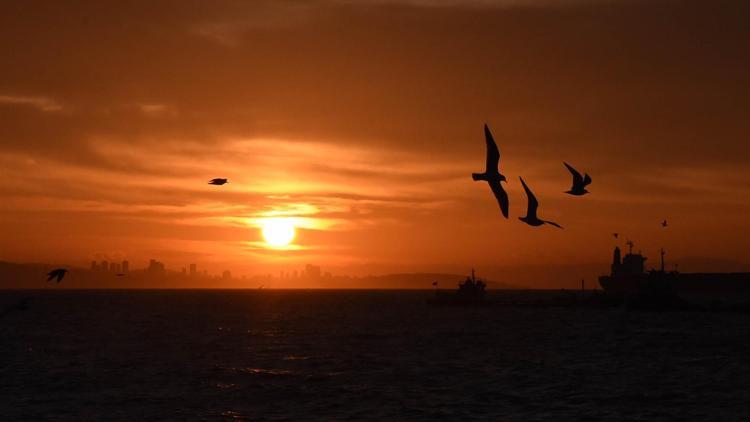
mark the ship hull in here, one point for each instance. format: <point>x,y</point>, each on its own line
<point>713,290</point>
<point>707,290</point>
<point>623,286</point>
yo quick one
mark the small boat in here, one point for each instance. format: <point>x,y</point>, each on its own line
<point>470,292</point>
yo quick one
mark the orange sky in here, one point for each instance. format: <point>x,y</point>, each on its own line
<point>363,121</point>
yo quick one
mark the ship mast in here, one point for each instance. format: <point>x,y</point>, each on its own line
<point>630,247</point>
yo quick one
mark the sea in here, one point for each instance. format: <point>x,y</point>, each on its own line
<point>327,355</point>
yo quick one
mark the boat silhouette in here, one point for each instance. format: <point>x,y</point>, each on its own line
<point>470,292</point>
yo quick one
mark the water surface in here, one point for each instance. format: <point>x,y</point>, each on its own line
<point>360,355</point>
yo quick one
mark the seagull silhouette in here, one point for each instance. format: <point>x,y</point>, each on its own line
<point>664,223</point>
<point>531,218</point>
<point>58,273</point>
<point>579,182</point>
<point>491,174</point>
<point>218,181</point>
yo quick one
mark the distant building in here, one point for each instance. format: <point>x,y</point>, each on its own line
<point>125,266</point>
<point>184,271</point>
<point>312,272</point>
<point>226,275</point>
<point>155,267</point>
<point>105,265</point>
<point>94,266</point>
<point>193,270</point>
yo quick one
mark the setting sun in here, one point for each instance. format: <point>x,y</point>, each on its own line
<point>278,232</point>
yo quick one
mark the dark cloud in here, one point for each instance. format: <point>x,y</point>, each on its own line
<point>622,73</point>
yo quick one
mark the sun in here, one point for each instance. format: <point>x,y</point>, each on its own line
<point>278,232</point>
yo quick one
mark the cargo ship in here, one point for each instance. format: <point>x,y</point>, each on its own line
<point>630,282</point>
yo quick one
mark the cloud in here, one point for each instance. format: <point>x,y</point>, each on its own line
<point>478,3</point>
<point>259,15</point>
<point>40,103</point>
<point>242,19</point>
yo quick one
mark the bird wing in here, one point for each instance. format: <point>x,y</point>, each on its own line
<point>577,178</point>
<point>493,154</point>
<point>52,274</point>
<point>553,223</point>
<point>501,195</point>
<point>533,203</point>
<point>60,276</point>
<point>586,180</point>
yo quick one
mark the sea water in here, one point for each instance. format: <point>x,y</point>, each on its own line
<point>360,355</point>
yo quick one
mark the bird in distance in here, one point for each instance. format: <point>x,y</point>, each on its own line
<point>531,217</point>
<point>579,182</point>
<point>491,173</point>
<point>218,182</point>
<point>58,273</point>
<point>616,235</point>
<point>664,223</point>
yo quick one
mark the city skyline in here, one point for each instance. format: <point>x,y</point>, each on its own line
<point>154,266</point>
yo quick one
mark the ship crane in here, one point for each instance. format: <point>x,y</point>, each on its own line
<point>630,246</point>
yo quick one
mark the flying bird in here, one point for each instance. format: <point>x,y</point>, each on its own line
<point>531,218</point>
<point>58,273</point>
<point>491,173</point>
<point>579,182</point>
<point>120,274</point>
<point>615,235</point>
<point>664,223</point>
<point>218,181</point>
